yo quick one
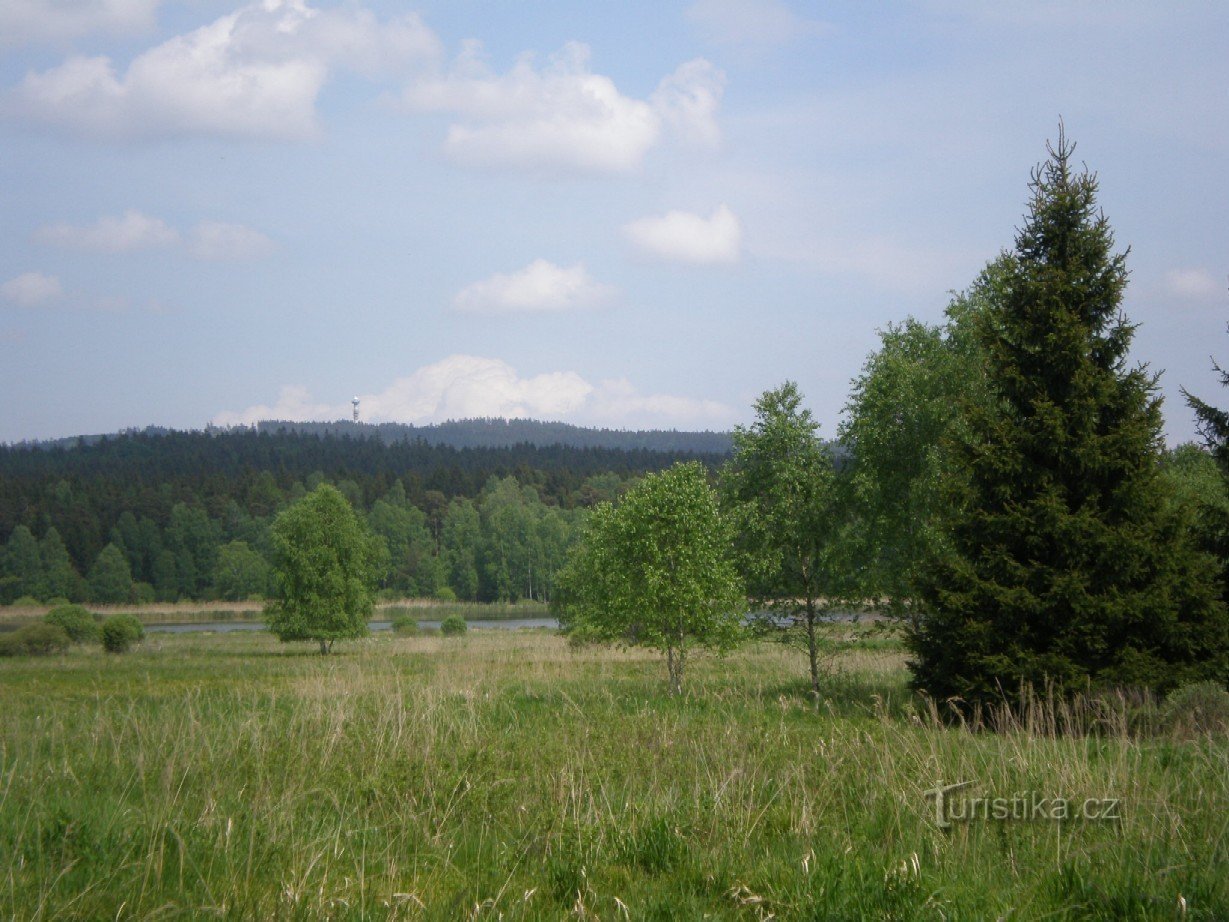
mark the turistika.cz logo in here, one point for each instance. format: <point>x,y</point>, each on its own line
<point>1025,806</point>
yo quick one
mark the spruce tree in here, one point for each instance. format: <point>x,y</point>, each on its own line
<point>1065,563</point>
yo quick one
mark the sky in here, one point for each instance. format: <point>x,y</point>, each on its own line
<point>634,214</point>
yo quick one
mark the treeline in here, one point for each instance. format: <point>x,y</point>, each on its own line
<point>185,515</point>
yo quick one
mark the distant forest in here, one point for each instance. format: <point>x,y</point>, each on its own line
<point>482,509</point>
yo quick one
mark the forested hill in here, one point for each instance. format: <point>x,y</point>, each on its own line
<point>506,433</point>
<point>475,433</point>
<point>239,478</point>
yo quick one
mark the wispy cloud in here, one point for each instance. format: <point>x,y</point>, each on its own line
<point>134,231</point>
<point>538,288</point>
<point>751,22</point>
<point>31,289</point>
<point>684,237</point>
<point>252,73</point>
<point>563,116</point>
<point>29,21</point>
<point>1194,284</point>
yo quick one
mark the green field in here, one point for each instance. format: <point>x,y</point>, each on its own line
<point>506,775</point>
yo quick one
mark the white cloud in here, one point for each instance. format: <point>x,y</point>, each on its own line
<point>750,22</point>
<point>466,386</point>
<point>214,240</point>
<point>563,116</point>
<point>252,73</point>
<point>31,289</point>
<point>133,231</point>
<point>25,21</point>
<point>1195,284</point>
<point>686,237</point>
<point>538,288</point>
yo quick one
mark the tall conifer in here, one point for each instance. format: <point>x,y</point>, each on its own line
<point>1065,564</point>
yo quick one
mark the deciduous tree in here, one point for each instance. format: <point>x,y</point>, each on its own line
<point>656,570</point>
<point>325,571</point>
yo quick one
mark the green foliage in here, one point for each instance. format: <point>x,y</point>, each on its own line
<point>900,411</point>
<point>405,626</point>
<point>26,601</point>
<point>39,639</point>
<point>120,632</point>
<point>445,594</point>
<point>22,565</point>
<point>1062,561</point>
<point>1196,708</point>
<point>794,533</point>
<point>77,623</point>
<point>325,571</point>
<point>453,625</point>
<point>240,573</point>
<point>110,578</point>
<point>657,571</point>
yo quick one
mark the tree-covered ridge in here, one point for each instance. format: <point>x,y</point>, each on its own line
<point>189,512</point>
<point>483,432</point>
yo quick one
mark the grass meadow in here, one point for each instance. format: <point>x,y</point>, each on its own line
<point>505,775</point>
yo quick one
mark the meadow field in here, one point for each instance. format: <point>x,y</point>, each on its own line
<point>505,774</point>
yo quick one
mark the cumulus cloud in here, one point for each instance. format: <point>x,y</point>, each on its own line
<point>563,116</point>
<point>690,238</point>
<point>26,21</point>
<point>1194,284</point>
<point>128,233</point>
<point>540,287</point>
<point>466,386</point>
<point>214,240</point>
<point>750,22</point>
<point>133,231</point>
<point>252,73</point>
<point>31,289</point>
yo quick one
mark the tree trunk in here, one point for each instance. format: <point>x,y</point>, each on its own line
<point>324,649</point>
<point>674,663</point>
<point>812,649</point>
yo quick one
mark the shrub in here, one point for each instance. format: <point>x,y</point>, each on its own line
<point>120,632</point>
<point>77,623</point>
<point>26,601</point>
<point>144,594</point>
<point>405,626</point>
<point>1196,708</point>
<point>38,639</point>
<point>453,625</point>
<point>445,594</point>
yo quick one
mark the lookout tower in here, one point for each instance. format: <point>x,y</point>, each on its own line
<point>355,402</point>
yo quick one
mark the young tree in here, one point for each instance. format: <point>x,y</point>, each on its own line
<point>793,531</point>
<point>325,571</point>
<point>110,578</point>
<point>900,410</point>
<point>656,571</point>
<point>1063,562</point>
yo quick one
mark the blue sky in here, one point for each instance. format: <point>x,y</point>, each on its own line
<point>624,214</point>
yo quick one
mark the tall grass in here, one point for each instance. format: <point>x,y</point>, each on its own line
<point>508,775</point>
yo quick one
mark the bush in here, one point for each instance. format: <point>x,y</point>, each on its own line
<point>405,626</point>
<point>445,594</point>
<point>37,639</point>
<point>120,632</point>
<point>26,601</point>
<point>1196,709</point>
<point>453,625</point>
<point>77,623</point>
<point>144,594</point>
